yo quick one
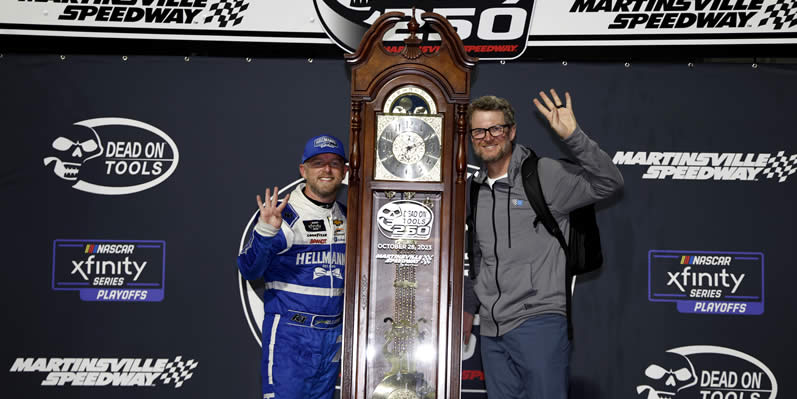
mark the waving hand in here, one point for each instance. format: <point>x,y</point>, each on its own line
<point>559,115</point>
<point>270,211</point>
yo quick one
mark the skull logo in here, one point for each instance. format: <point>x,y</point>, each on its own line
<point>74,151</point>
<point>388,215</point>
<point>671,374</point>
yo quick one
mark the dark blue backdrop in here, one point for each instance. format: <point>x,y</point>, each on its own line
<point>239,126</point>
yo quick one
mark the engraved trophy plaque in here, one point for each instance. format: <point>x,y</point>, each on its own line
<point>404,348</point>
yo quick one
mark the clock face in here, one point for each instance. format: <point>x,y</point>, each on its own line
<point>408,148</point>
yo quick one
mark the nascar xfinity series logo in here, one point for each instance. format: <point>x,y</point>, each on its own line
<point>692,14</point>
<point>708,282</point>
<point>711,165</point>
<point>706,372</point>
<point>113,156</point>
<point>105,270</point>
<point>222,13</point>
<point>490,29</point>
<point>104,372</point>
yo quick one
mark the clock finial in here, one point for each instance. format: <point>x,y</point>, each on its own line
<point>412,44</point>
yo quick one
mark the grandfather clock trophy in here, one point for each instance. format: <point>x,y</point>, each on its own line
<point>406,214</point>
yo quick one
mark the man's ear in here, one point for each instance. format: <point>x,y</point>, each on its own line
<point>512,133</point>
<point>301,170</point>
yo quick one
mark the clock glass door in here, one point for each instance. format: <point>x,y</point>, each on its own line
<point>402,312</point>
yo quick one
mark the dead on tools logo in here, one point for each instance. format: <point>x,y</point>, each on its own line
<point>489,29</point>
<point>112,156</point>
<point>405,219</point>
<point>706,372</point>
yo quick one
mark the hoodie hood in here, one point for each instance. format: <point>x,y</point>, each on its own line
<point>519,154</point>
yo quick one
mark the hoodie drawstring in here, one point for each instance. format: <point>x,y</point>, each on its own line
<point>508,219</point>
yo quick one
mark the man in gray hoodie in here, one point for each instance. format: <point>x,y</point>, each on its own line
<point>519,285</point>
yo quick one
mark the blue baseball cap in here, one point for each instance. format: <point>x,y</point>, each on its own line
<point>323,144</point>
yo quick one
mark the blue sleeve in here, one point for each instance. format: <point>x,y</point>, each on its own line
<point>261,252</point>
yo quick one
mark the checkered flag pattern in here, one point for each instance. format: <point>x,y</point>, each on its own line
<point>781,13</point>
<point>227,12</point>
<point>178,371</point>
<point>781,166</point>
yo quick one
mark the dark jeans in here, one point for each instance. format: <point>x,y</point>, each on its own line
<point>530,362</point>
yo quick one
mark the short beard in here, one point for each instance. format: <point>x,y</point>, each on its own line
<point>505,149</point>
<point>320,192</point>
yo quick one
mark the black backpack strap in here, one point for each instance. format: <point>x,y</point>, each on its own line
<point>533,188</point>
<point>473,197</point>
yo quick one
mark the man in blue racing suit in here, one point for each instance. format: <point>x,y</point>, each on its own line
<point>298,247</point>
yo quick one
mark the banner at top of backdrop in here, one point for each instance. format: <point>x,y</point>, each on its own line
<point>490,29</point>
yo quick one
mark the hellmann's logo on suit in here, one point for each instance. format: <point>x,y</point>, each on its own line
<point>321,257</point>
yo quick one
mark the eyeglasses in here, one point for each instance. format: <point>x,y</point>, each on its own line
<point>495,131</point>
<point>320,163</point>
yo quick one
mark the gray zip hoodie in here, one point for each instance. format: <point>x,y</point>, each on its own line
<point>520,268</point>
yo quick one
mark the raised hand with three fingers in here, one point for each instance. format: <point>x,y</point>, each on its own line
<point>560,115</point>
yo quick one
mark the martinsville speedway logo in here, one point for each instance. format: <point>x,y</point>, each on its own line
<point>489,29</point>
<point>711,165</point>
<point>706,372</point>
<point>131,156</point>
<point>690,14</point>
<point>224,13</point>
<point>103,372</point>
